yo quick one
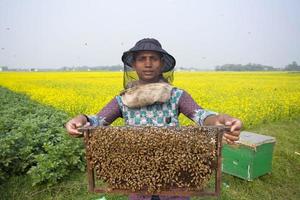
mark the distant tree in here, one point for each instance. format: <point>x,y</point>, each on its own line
<point>247,67</point>
<point>292,67</point>
<point>3,68</point>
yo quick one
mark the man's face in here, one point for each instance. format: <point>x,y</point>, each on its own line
<point>148,65</point>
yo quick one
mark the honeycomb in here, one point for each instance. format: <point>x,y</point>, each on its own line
<point>153,159</point>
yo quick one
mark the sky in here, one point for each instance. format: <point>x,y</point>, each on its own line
<point>200,34</point>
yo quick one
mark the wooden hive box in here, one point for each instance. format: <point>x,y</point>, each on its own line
<point>250,158</point>
<point>172,174</point>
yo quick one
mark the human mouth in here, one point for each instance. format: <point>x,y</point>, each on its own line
<point>148,72</point>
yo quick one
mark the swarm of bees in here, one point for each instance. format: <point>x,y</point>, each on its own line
<point>153,159</point>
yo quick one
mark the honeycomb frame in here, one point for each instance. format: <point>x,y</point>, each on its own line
<point>188,135</point>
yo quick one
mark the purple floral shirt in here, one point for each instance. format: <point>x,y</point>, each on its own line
<point>186,105</point>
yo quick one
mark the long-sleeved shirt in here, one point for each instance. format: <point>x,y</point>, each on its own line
<point>182,103</point>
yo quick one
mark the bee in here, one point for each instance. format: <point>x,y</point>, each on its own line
<point>152,158</point>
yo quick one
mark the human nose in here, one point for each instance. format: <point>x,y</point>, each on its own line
<point>148,62</point>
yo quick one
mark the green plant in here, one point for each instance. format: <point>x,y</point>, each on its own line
<point>33,140</point>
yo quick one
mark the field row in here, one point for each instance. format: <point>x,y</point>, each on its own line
<point>253,97</point>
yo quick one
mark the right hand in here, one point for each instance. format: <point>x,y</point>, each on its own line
<point>75,123</point>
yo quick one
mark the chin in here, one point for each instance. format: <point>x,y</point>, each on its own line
<point>149,79</point>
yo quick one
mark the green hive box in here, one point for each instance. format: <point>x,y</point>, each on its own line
<point>250,157</point>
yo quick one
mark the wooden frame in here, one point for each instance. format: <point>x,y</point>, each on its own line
<point>173,192</point>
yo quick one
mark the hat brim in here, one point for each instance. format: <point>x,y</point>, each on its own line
<point>169,61</point>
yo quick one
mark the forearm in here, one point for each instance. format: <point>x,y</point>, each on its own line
<point>192,110</point>
<point>107,115</point>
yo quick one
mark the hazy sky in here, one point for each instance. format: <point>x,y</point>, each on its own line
<point>55,33</point>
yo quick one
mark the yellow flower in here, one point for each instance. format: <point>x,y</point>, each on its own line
<point>254,97</point>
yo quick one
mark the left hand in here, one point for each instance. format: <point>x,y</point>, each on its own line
<point>234,123</point>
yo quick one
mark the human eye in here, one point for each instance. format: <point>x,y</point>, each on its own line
<point>140,58</point>
<point>154,58</point>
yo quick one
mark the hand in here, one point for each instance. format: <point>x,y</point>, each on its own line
<point>75,123</point>
<point>235,126</point>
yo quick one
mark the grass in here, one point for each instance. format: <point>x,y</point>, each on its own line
<point>282,183</point>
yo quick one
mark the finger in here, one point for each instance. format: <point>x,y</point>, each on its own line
<point>75,134</point>
<point>230,142</point>
<point>87,124</point>
<point>224,120</point>
<point>234,133</point>
<point>78,124</point>
<point>227,141</point>
<point>231,137</point>
<point>228,123</point>
<point>72,129</point>
<point>219,122</point>
<point>237,125</point>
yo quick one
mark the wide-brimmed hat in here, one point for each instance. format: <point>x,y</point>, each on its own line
<point>149,44</point>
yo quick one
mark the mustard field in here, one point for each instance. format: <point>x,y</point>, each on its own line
<point>254,97</point>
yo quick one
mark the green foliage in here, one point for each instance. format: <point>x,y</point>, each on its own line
<point>33,140</point>
<point>282,183</point>
<point>247,67</point>
<point>292,67</point>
